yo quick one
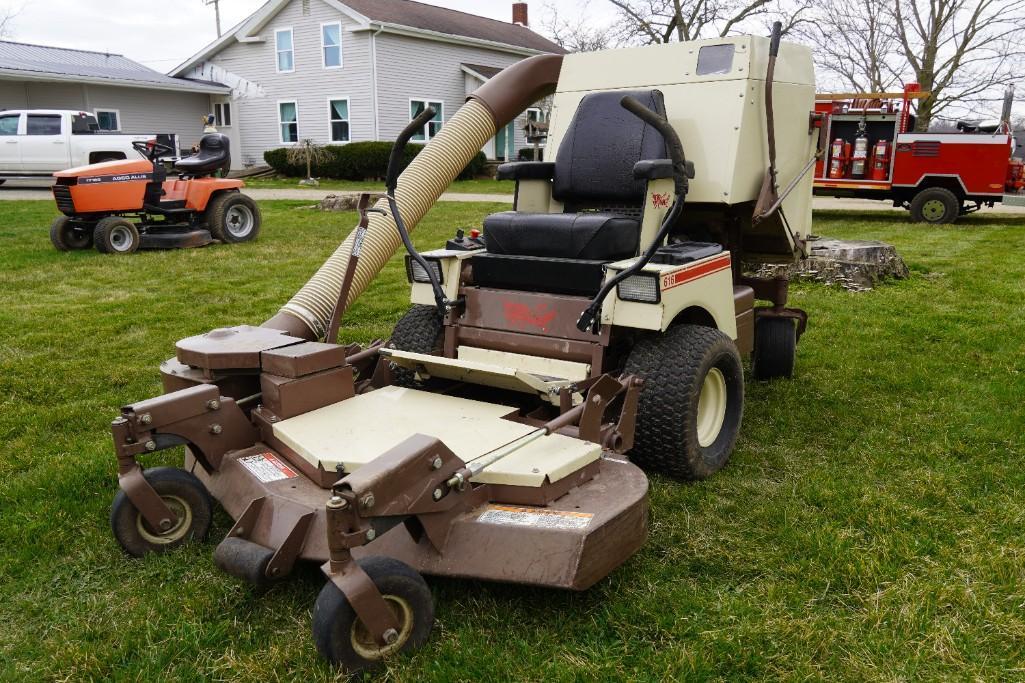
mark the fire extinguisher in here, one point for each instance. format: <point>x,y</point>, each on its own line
<point>839,152</point>
<point>859,158</point>
<point>880,160</point>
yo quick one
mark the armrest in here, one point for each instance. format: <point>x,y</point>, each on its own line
<point>527,170</point>
<point>655,169</point>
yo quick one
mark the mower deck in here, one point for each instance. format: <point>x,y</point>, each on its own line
<point>570,544</point>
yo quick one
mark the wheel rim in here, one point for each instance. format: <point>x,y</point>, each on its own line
<point>121,238</point>
<point>239,220</point>
<point>364,643</point>
<point>711,407</point>
<point>934,209</point>
<point>177,532</point>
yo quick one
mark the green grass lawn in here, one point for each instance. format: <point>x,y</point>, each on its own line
<point>869,526</point>
<point>476,186</point>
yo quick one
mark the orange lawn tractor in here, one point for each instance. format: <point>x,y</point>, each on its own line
<point>122,206</point>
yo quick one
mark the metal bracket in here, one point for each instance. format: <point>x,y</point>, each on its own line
<point>364,597</point>
<point>285,556</point>
<point>146,500</point>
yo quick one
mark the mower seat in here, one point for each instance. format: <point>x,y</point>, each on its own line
<point>214,154</point>
<point>595,179</point>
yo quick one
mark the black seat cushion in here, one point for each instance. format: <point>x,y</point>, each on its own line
<point>214,153</point>
<point>603,142</point>
<point>595,236</point>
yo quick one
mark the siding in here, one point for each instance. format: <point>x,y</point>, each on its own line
<point>310,85</point>
<point>142,110</point>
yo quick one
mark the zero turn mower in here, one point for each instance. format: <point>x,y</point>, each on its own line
<point>122,206</point>
<point>602,318</point>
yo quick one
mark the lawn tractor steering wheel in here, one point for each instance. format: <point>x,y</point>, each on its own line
<point>151,149</point>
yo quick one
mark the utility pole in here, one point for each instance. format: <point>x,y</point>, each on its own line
<point>217,13</point>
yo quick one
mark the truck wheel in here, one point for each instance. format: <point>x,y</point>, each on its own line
<point>692,402</point>
<point>68,235</point>
<point>935,205</point>
<point>341,637</point>
<point>420,330</point>
<point>775,348</point>
<point>116,235</point>
<point>183,493</point>
<point>233,217</point>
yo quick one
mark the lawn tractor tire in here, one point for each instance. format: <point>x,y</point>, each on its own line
<point>419,330</point>
<point>70,235</point>
<point>116,235</point>
<point>692,402</point>
<point>183,493</point>
<point>232,217</point>
<point>342,639</point>
<point>936,205</point>
<point>775,350</point>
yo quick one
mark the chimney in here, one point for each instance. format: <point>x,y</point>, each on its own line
<point>520,13</point>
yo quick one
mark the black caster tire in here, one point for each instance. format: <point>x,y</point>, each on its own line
<point>116,235</point>
<point>232,217</point>
<point>183,493</point>
<point>69,235</point>
<point>244,559</point>
<point>775,351</point>
<point>419,330</point>
<point>341,637</point>
<point>692,401</point>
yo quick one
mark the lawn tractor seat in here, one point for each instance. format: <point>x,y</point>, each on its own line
<point>214,154</point>
<point>602,186</point>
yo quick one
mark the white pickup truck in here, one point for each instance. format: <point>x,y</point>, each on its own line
<point>35,143</point>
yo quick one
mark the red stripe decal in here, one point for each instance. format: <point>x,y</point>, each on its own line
<point>693,272</point>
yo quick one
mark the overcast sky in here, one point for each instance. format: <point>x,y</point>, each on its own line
<point>163,33</point>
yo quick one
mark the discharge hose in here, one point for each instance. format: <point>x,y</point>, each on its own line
<point>307,315</point>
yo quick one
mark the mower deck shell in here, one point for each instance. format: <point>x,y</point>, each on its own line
<point>570,544</point>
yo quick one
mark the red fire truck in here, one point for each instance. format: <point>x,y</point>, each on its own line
<point>872,154</point>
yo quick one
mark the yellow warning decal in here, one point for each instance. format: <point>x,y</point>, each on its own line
<point>541,518</point>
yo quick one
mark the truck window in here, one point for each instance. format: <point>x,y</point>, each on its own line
<point>715,59</point>
<point>43,124</point>
<point>9,124</point>
<point>83,124</point>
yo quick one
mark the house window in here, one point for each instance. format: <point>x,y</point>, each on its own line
<point>288,122</point>
<point>108,119</point>
<point>44,124</point>
<point>338,112</point>
<point>331,45</point>
<point>286,55</point>
<point>534,114</point>
<point>432,127</point>
<point>222,114</point>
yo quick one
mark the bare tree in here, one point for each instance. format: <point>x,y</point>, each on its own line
<point>961,51</point>
<point>7,16</point>
<point>308,152</point>
<point>854,44</point>
<point>577,34</point>
<point>664,21</point>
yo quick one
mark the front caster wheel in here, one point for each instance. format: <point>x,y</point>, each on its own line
<point>775,348</point>
<point>183,493</point>
<point>342,638</point>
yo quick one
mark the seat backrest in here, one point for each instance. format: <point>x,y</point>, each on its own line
<point>214,153</point>
<point>603,142</point>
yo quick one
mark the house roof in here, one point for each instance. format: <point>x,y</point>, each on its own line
<point>443,20</point>
<point>399,16</point>
<point>485,72</point>
<point>40,62</point>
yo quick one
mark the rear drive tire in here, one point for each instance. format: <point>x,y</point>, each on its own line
<point>420,330</point>
<point>116,235</point>
<point>341,637</point>
<point>183,493</point>
<point>935,205</point>
<point>692,402</point>
<point>233,217</point>
<point>69,235</point>
<point>775,348</point>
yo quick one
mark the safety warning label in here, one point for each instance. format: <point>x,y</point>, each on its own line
<point>266,467</point>
<point>536,517</point>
